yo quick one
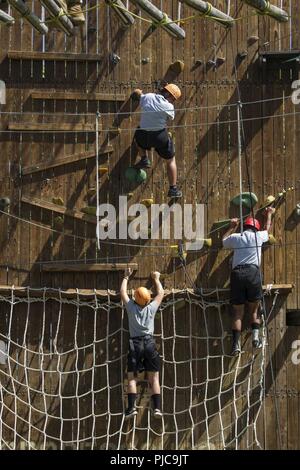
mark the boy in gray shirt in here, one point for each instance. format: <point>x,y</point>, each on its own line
<point>142,353</point>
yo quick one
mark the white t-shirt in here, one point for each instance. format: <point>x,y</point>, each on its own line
<point>156,110</point>
<point>246,247</point>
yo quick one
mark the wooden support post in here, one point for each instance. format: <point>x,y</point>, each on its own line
<point>206,9</point>
<point>121,11</point>
<point>160,19</point>
<point>263,7</point>
<point>6,19</point>
<point>61,267</point>
<point>26,13</point>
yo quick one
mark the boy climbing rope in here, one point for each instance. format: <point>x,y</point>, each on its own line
<point>157,109</point>
<point>245,281</point>
<point>142,353</point>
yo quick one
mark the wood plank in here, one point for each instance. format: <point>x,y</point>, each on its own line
<point>67,95</point>
<point>35,55</point>
<point>51,126</point>
<point>59,209</point>
<point>36,292</point>
<point>47,164</point>
<point>61,267</point>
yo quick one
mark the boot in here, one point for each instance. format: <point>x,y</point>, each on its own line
<point>75,12</point>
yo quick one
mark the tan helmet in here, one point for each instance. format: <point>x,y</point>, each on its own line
<point>142,296</point>
<point>174,90</point>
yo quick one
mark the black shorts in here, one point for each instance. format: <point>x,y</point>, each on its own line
<point>142,355</point>
<point>245,284</point>
<point>159,140</point>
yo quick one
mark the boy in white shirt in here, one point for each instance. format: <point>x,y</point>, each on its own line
<point>157,109</point>
<point>245,280</point>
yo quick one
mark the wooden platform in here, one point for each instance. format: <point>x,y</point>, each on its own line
<point>59,209</point>
<point>61,267</point>
<point>102,293</point>
<point>77,157</point>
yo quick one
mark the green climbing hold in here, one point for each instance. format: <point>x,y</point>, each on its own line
<point>135,175</point>
<point>249,200</point>
<point>141,176</point>
<point>130,174</point>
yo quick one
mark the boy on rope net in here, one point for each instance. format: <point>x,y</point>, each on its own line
<point>157,109</point>
<point>142,353</point>
<point>245,280</point>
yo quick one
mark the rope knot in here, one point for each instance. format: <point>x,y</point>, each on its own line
<point>266,10</point>
<point>165,20</point>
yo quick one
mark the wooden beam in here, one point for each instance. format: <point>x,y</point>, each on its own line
<point>51,126</point>
<point>160,19</point>
<point>264,7</point>
<point>60,267</point>
<point>211,12</point>
<point>68,95</point>
<point>31,55</point>
<point>77,157</point>
<point>51,292</point>
<point>59,209</point>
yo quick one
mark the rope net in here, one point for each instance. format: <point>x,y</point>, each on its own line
<point>63,375</point>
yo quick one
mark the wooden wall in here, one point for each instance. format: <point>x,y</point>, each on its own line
<point>206,149</point>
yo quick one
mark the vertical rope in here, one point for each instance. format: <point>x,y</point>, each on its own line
<point>41,360</point>
<point>9,368</point>
<point>97,179</point>
<point>207,380</point>
<point>239,106</point>
<point>77,376</point>
<point>191,370</point>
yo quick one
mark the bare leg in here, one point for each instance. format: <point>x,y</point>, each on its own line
<point>238,315</point>
<point>142,152</point>
<point>131,383</point>
<point>172,171</point>
<point>131,410</point>
<point>253,311</point>
<point>255,323</point>
<point>154,386</point>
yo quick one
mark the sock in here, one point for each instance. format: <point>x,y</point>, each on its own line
<point>131,400</point>
<point>255,331</point>
<point>156,400</point>
<point>236,336</point>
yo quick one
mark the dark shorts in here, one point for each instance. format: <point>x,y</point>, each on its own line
<point>245,284</point>
<point>159,140</point>
<point>142,355</point>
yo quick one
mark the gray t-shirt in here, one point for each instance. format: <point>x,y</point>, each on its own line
<point>246,247</point>
<point>156,110</point>
<point>141,319</point>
